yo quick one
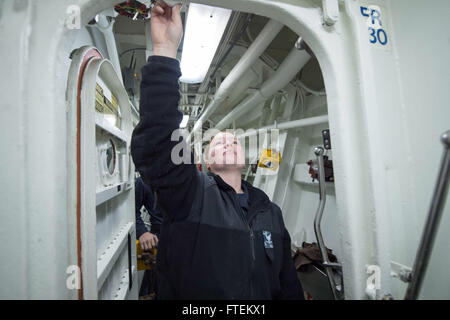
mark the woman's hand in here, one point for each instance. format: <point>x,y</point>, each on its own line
<point>148,241</point>
<point>167,29</point>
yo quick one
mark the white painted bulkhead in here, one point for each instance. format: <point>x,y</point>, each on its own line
<point>387,106</point>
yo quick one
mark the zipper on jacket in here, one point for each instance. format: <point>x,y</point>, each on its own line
<point>252,236</point>
<point>252,243</point>
<point>247,223</point>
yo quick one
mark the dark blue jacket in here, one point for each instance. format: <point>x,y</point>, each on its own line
<point>209,247</point>
<point>144,197</point>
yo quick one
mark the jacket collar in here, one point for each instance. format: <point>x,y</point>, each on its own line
<point>258,199</point>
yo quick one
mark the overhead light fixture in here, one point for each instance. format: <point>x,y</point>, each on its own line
<point>204,29</point>
<point>184,122</point>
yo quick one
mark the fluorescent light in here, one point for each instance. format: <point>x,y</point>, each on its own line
<point>204,29</point>
<point>184,122</point>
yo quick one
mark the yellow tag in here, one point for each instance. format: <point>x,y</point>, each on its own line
<point>108,109</point>
<point>270,160</point>
<point>140,262</point>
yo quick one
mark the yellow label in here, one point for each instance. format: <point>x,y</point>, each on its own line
<point>269,160</point>
<point>109,109</point>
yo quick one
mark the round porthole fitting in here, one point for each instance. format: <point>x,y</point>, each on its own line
<point>110,157</point>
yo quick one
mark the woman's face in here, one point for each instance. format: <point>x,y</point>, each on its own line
<point>225,151</point>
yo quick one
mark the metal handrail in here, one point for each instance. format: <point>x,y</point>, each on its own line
<point>434,216</point>
<point>317,220</point>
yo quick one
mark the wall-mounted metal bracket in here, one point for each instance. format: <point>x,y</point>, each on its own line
<point>401,272</point>
<point>332,265</point>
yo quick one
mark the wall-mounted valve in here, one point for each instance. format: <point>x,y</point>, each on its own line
<point>328,167</point>
<point>328,164</point>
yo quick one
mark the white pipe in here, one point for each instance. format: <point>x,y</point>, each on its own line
<point>300,123</point>
<point>148,40</point>
<point>293,63</point>
<point>289,125</point>
<point>250,166</point>
<point>265,112</point>
<point>106,27</point>
<point>275,106</point>
<point>265,37</point>
<point>291,168</point>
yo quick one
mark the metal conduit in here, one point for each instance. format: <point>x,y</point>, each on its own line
<point>431,227</point>
<point>265,37</point>
<point>276,104</point>
<point>106,27</point>
<point>293,63</point>
<point>288,125</point>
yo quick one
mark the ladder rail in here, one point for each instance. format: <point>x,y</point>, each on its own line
<point>432,224</point>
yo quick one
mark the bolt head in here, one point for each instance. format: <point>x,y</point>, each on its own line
<point>445,138</point>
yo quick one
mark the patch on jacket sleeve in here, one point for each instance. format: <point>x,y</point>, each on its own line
<point>267,239</point>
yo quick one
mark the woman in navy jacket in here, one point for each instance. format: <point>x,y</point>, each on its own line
<point>221,238</point>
